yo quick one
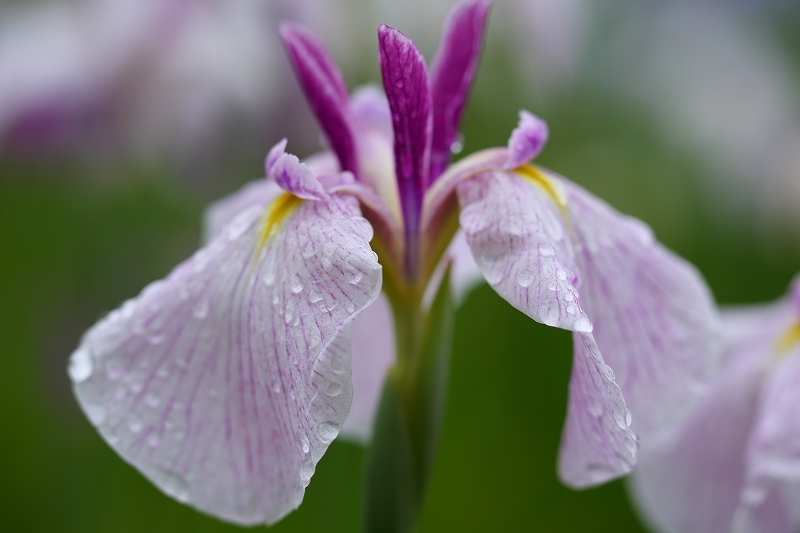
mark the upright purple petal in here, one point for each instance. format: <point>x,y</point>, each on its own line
<point>597,444</point>
<point>325,90</point>
<point>527,140</point>
<point>451,76</point>
<point>655,320</point>
<point>224,383</point>
<point>405,80</point>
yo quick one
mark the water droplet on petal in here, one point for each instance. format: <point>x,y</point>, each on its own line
<point>546,250</point>
<point>607,371</point>
<point>327,431</point>
<point>328,249</point>
<point>154,439</point>
<point>620,420</point>
<point>295,283</point>
<point>306,471</point>
<point>333,389</point>
<point>96,413</point>
<point>571,309</point>
<point>80,364</point>
<point>399,84</point>
<point>525,278</point>
<point>156,339</point>
<point>583,325</point>
<point>275,385</point>
<point>305,444</point>
<point>561,274</point>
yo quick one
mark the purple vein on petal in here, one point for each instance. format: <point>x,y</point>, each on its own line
<point>325,90</point>
<point>405,80</point>
<point>451,76</point>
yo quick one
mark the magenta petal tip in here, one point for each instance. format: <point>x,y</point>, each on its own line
<point>527,140</point>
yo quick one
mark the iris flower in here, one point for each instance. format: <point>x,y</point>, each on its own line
<point>225,383</point>
<point>734,466</point>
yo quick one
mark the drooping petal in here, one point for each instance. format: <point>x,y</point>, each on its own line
<point>690,479</point>
<point>597,444</point>
<point>373,353</point>
<point>773,454</point>
<point>451,76</point>
<point>324,87</point>
<point>520,241</point>
<point>527,140</point>
<point>405,80</point>
<point>655,321</point>
<point>225,382</point>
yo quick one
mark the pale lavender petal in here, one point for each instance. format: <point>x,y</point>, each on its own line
<point>689,481</point>
<point>225,382</point>
<point>371,110</point>
<point>273,155</point>
<point>373,354</point>
<point>465,274</point>
<point>294,176</point>
<point>772,515</point>
<point>521,243</point>
<point>773,454</point>
<point>527,140</point>
<point>654,318</point>
<point>405,80</point>
<point>451,76</point>
<point>376,141</point>
<point>325,90</point>
<point>219,214</point>
<point>597,444</point>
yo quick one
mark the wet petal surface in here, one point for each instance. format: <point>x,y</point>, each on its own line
<point>225,382</point>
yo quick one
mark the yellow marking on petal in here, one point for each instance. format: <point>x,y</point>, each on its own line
<point>553,189</point>
<point>276,213</point>
<point>789,339</point>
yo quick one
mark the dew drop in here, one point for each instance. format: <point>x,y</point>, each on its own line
<point>200,311</point>
<point>306,445</point>
<point>134,425</point>
<point>399,84</point>
<point>525,278</point>
<point>295,283</point>
<point>306,471</point>
<point>328,250</point>
<point>156,339</point>
<point>314,296</point>
<point>333,389</point>
<point>546,250</point>
<point>327,431</point>
<point>80,365</point>
<point>351,307</point>
<point>620,420</point>
<point>275,385</point>
<point>269,276</point>
<point>569,297</point>
<point>628,418</point>
<point>115,369</point>
<point>551,286</point>
<point>162,372</point>
<point>561,274</point>
<point>607,371</point>
<point>571,309</point>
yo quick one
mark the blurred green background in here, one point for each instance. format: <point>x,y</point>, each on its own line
<point>75,241</point>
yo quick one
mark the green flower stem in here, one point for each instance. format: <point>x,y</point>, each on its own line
<point>409,418</point>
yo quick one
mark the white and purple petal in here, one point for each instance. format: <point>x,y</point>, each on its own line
<point>597,443</point>
<point>654,318</point>
<point>225,382</point>
<point>526,141</point>
<point>521,244</point>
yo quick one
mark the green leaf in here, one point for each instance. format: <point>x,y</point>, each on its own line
<point>409,419</point>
